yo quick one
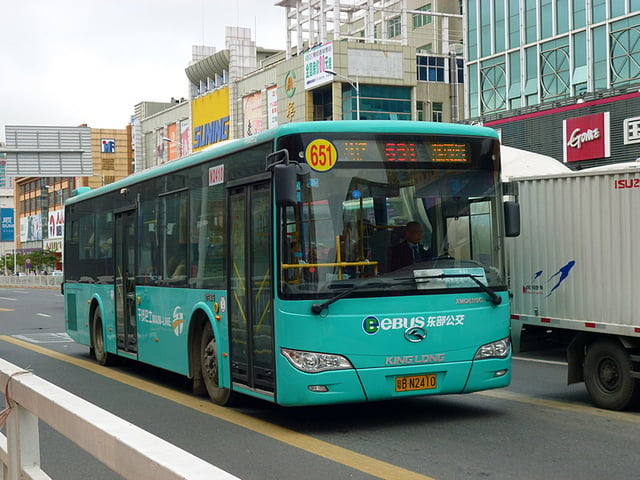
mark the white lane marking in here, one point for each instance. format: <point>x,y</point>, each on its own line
<point>45,338</point>
<point>537,360</point>
<point>43,315</point>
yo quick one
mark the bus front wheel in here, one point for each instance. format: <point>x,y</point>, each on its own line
<point>210,368</point>
<point>97,340</point>
<point>608,377</point>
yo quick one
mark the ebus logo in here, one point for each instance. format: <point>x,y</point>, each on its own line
<point>371,325</point>
<point>178,321</point>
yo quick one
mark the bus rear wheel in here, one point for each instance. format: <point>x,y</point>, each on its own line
<point>608,378</point>
<point>97,340</point>
<point>211,369</point>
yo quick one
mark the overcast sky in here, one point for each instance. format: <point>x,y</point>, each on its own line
<point>68,62</point>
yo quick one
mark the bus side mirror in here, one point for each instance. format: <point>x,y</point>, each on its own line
<point>285,182</point>
<point>511,219</point>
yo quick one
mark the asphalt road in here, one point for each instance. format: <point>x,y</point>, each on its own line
<point>538,428</point>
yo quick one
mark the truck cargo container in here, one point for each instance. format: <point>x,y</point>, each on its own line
<point>574,271</point>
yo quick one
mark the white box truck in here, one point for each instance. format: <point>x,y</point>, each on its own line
<point>575,269</point>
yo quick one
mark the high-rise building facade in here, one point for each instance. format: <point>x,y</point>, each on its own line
<point>556,76</point>
<point>522,53</point>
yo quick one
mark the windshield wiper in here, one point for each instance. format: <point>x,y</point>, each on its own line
<point>318,308</point>
<point>495,298</point>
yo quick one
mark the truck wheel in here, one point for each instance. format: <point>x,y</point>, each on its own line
<point>97,340</point>
<point>607,376</point>
<point>210,368</point>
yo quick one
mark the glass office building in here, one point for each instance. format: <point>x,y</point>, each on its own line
<point>522,53</point>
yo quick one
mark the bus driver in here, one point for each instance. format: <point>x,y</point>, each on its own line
<point>409,250</point>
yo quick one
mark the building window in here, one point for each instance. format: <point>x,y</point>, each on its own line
<point>546,14</point>
<point>514,24</point>
<point>428,48</point>
<point>420,20</point>
<point>322,106</point>
<point>430,69</point>
<point>377,102</point>
<point>436,112</point>
<point>499,27</point>
<point>460,70</point>
<point>493,87</point>
<point>599,58</point>
<point>617,9</point>
<point>598,11</point>
<point>394,27</point>
<point>530,21</point>
<point>562,16</point>
<point>420,111</point>
<point>472,31</point>
<point>579,14</point>
<point>625,61</point>
<point>554,72</point>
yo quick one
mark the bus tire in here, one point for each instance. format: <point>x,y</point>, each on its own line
<point>210,368</point>
<point>607,376</point>
<point>97,340</point>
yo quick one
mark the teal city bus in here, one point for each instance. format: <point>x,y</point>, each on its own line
<point>266,265</point>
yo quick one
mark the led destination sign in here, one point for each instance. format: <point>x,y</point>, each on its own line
<point>449,152</point>
<point>402,151</point>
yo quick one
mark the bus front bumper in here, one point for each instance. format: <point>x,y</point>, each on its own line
<point>384,383</point>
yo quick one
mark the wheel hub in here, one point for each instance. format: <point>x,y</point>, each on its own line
<point>210,364</point>
<point>608,374</point>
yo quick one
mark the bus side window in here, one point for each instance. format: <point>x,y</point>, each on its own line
<point>104,230</point>
<point>87,237</point>
<point>174,238</point>
<point>148,249</point>
<point>208,257</point>
<point>72,248</point>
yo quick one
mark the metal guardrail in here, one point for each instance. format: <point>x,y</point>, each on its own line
<point>126,449</point>
<point>31,281</point>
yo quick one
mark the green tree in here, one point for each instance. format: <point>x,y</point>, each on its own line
<point>42,260</point>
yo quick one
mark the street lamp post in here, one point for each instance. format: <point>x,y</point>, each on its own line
<point>44,223</point>
<point>2,250</point>
<point>355,86</point>
<point>454,51</point>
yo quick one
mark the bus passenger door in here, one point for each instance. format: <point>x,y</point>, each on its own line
<point>250,288</point>
<point>125,291</point>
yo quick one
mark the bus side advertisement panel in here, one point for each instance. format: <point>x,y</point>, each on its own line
<point>163,326</point>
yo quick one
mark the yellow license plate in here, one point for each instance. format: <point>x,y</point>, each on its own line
<point>411,383</point>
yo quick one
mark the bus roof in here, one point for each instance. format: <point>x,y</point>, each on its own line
<point>335,126</point>
<point>385,126</point>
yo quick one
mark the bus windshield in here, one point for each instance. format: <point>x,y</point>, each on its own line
<point>424,222</point>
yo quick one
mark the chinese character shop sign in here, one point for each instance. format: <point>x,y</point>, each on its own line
<point>316,62</point>
<point>586,138</point>
<point>631,132</point>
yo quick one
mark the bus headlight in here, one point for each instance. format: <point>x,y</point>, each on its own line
<point>499,349</point>
<point>314,362</point>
